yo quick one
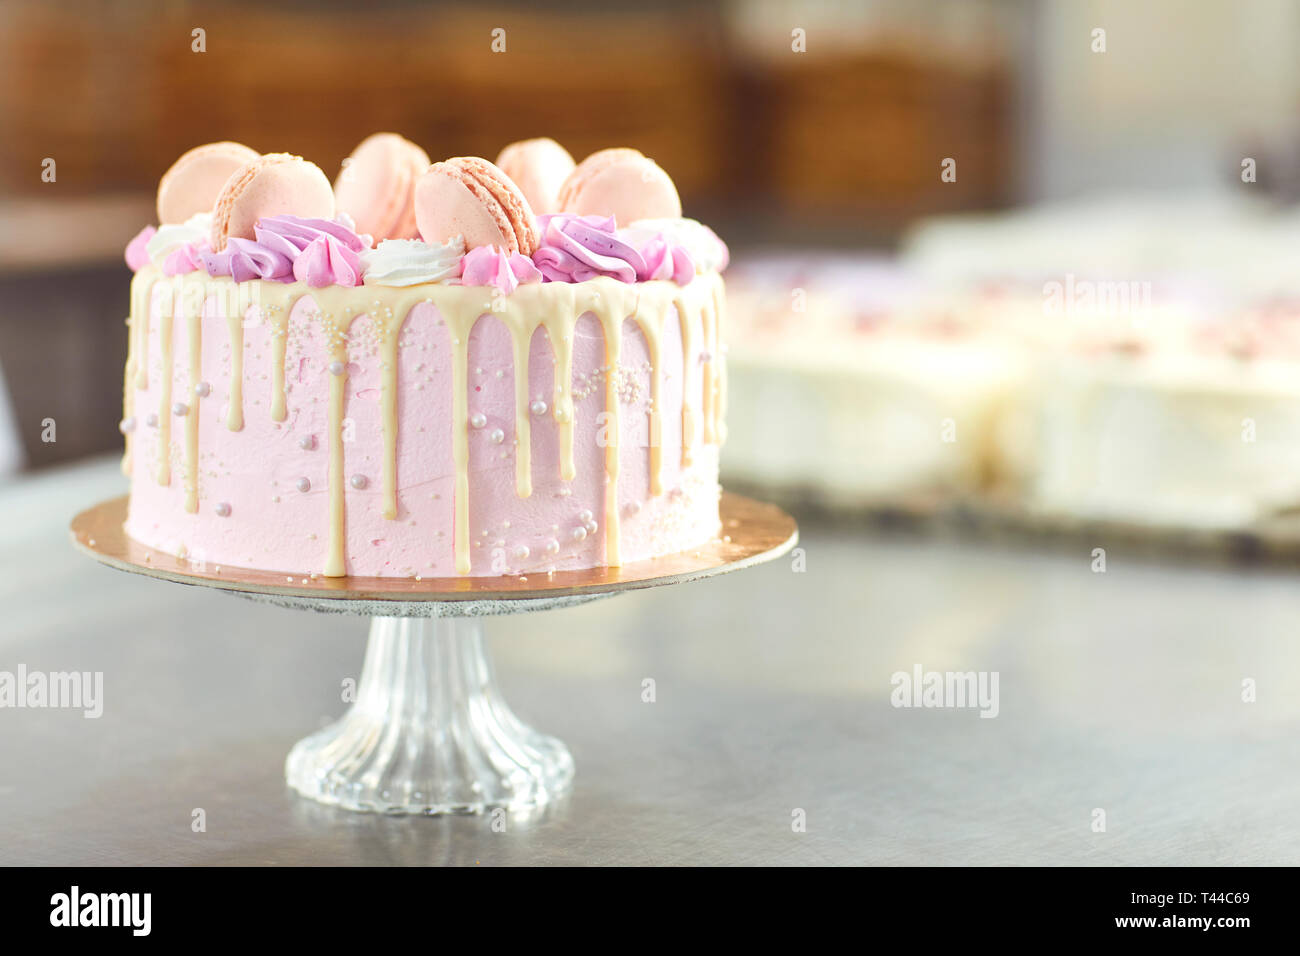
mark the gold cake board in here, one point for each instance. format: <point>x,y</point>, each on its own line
<point>753,532</point>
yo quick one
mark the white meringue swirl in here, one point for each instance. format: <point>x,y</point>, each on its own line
<point>403,262</point>
<point>172,235</point>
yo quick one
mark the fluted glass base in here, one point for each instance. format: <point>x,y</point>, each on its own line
<point>429,732</point>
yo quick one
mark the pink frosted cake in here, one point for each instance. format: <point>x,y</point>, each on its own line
<point>410,373</point>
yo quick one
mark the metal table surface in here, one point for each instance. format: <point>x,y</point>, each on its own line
<point>1120,691</point>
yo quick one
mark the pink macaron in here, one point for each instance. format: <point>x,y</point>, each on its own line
<point>376,186</point>
<point>276,184</point>
<point>193,182</point>
<point>539,168</point>
<point>469,197</point>
<point>621,183</point>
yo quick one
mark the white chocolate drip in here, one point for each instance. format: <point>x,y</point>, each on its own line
<point>556,307</point>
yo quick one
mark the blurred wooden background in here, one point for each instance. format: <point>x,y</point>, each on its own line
<point>838,145</point>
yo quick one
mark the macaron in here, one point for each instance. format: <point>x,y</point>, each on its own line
<point>376,186</point>
<point>469,197</point>
<point>276,184</point>
<point>539,168</point>
<point>192,183</point>
<point>621,183</point>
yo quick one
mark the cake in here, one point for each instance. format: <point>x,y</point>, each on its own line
<point>417,372</point>
<point>1094,363</point>
<point>884,395</point>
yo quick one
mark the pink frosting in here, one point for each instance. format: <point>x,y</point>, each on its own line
<point>319,252</point>
<point>324,261</point>
<point>136,256</point>
<point>666,261</point>
<point>185,259</point>
<point>577,248</point>
<point>488,265</point>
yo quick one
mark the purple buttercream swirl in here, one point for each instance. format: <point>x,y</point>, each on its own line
<point>319,252</point>
<point>577,248</point>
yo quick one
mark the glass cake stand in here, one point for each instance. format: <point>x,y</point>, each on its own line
<point>429,732</point>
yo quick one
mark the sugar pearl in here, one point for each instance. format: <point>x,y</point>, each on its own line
<point>552,546</point>
<point>520,552</point>
<point>307,442</point>
<point>478,419</point>
<point>202,389</point>
<point>498,436</point>
<point>337,367</point>
<point>222,509</point>
<point>359,481</point>
<point>127,424</point>
<point>538,407</point>
<point>579,534</point>
<point>303,484</point>
<point>151,420</point>
<point>584,515</point>
<point>180,408</point>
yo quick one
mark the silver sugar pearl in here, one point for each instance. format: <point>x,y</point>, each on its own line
<point>151,420</point>
<point>337,367</point>
<point>498,436</point>
<point>552,546</point>
<point>478,419</point>
<point>584,515</point>
<point>180,408</point>
<point>202,389</point>
<point>307,442</point>
<point>358,481</point>
<point>222,509</point>
<point>538,407</point>
<point>303,484</point>
<point>127,424</point>
<point>579,534</point>
<point>520,552</point>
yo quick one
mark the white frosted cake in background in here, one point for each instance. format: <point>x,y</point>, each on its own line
<point>1120,361</point>
<point>879,393</point>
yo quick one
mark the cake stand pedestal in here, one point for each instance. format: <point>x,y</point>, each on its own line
<point>429,732</point>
